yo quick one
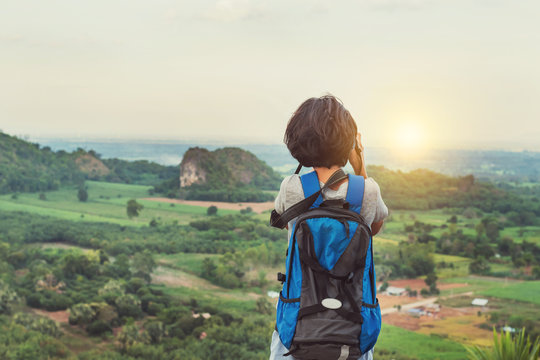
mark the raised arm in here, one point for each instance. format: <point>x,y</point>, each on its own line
<point>356,157</point>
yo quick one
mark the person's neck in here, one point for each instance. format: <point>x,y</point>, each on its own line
<point>324,173</point>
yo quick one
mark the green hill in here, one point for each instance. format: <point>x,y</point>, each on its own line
<point>27,167</point>
<point>424,190</point>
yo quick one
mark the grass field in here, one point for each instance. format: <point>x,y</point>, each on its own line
<point>192,264</point>
<point>528,291</point>
<point>183,261</point>
<point>460,328</point>
<point>394,228</point>
<point>106,203</point>
<point>519,234</point>
<point>460,266</point>
<point>234,301</point>
<point>477,284</point>
<point>424,347</point>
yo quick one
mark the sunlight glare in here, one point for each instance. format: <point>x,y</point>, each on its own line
<point>409,137</point>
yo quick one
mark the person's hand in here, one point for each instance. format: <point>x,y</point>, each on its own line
<point>356,157</point>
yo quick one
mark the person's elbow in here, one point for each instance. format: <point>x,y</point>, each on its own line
<point>376,227</point>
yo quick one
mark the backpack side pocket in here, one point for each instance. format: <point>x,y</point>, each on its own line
<point>287,315</point>
<point>371,326</point>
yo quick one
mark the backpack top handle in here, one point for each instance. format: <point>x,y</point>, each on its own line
<point>281,221</point>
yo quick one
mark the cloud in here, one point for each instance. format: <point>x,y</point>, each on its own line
<point>234,10</point>
<point>68,42</point>
<point>12,37</point>
<point>392,5</point>
<point>170,15</point>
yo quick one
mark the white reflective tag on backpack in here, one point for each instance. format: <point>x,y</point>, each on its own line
<point>331,303</point>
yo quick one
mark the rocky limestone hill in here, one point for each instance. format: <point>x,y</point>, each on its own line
<point>226,166</point>
<point>227,174</point>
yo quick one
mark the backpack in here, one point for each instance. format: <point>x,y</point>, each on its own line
<point>327,308</point>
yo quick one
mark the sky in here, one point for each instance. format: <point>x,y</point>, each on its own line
<point>413,73</point>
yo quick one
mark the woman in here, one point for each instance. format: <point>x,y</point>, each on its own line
<point>321,134</point>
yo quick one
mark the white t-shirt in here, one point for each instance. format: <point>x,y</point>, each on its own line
<point>373,207</point>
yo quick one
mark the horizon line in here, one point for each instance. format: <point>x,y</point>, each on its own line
<point>243,141</point>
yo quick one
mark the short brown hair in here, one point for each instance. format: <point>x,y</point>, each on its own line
<point>321,133</point>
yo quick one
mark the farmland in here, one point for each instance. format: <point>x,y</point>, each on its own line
<point>106,203</point>
<point>184,276</point>
<point>526,291</point>
<point>430,347</point>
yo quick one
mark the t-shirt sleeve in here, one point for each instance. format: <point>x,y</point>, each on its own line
<point>381,211</point>
<point>279,203</point>
<point>290,192</point>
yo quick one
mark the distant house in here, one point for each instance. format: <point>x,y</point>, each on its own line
<point>204,315</point>
<point>479,302</point>
<point>392,290</point>
<point>272,294</point>
<point>509,329</point>
<point>416,312</point>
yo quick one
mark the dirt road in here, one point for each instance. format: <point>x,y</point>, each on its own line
<point>256,207</point>
<point>423,302</point>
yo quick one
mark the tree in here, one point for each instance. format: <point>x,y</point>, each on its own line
<point>431,281</point>
<point>536,272</point>
<point>246,211</point>
<point>156,331</point>
<point>469,213</point>
<point>133,208</point>
<point>212,210</point>
<point>263,306</point>
<point>86,264</point>
<point>144,264</point>
<point>43,325</point>
<point>130,335</point>
<point>8,297</point>
<point>479,266</point>
<point>82,194</point>
<point>480,229</point>
<point>418,259</point>
<point>208,269</point>
<point>128,305</point>
<point>112,286</point>
<point>83,314</point>
<point>492,231</point>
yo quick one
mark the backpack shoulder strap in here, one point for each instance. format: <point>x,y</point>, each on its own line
<point>310,185</point>
<point>355,191</point>
<point>280,221</point>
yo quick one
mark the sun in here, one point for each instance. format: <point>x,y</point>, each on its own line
<point>409,136</point>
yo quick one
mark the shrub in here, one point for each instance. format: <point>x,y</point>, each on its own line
<point>82,195</point>
<point>98,327</point>
<point>506,347</point>
<point>212,210</point>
